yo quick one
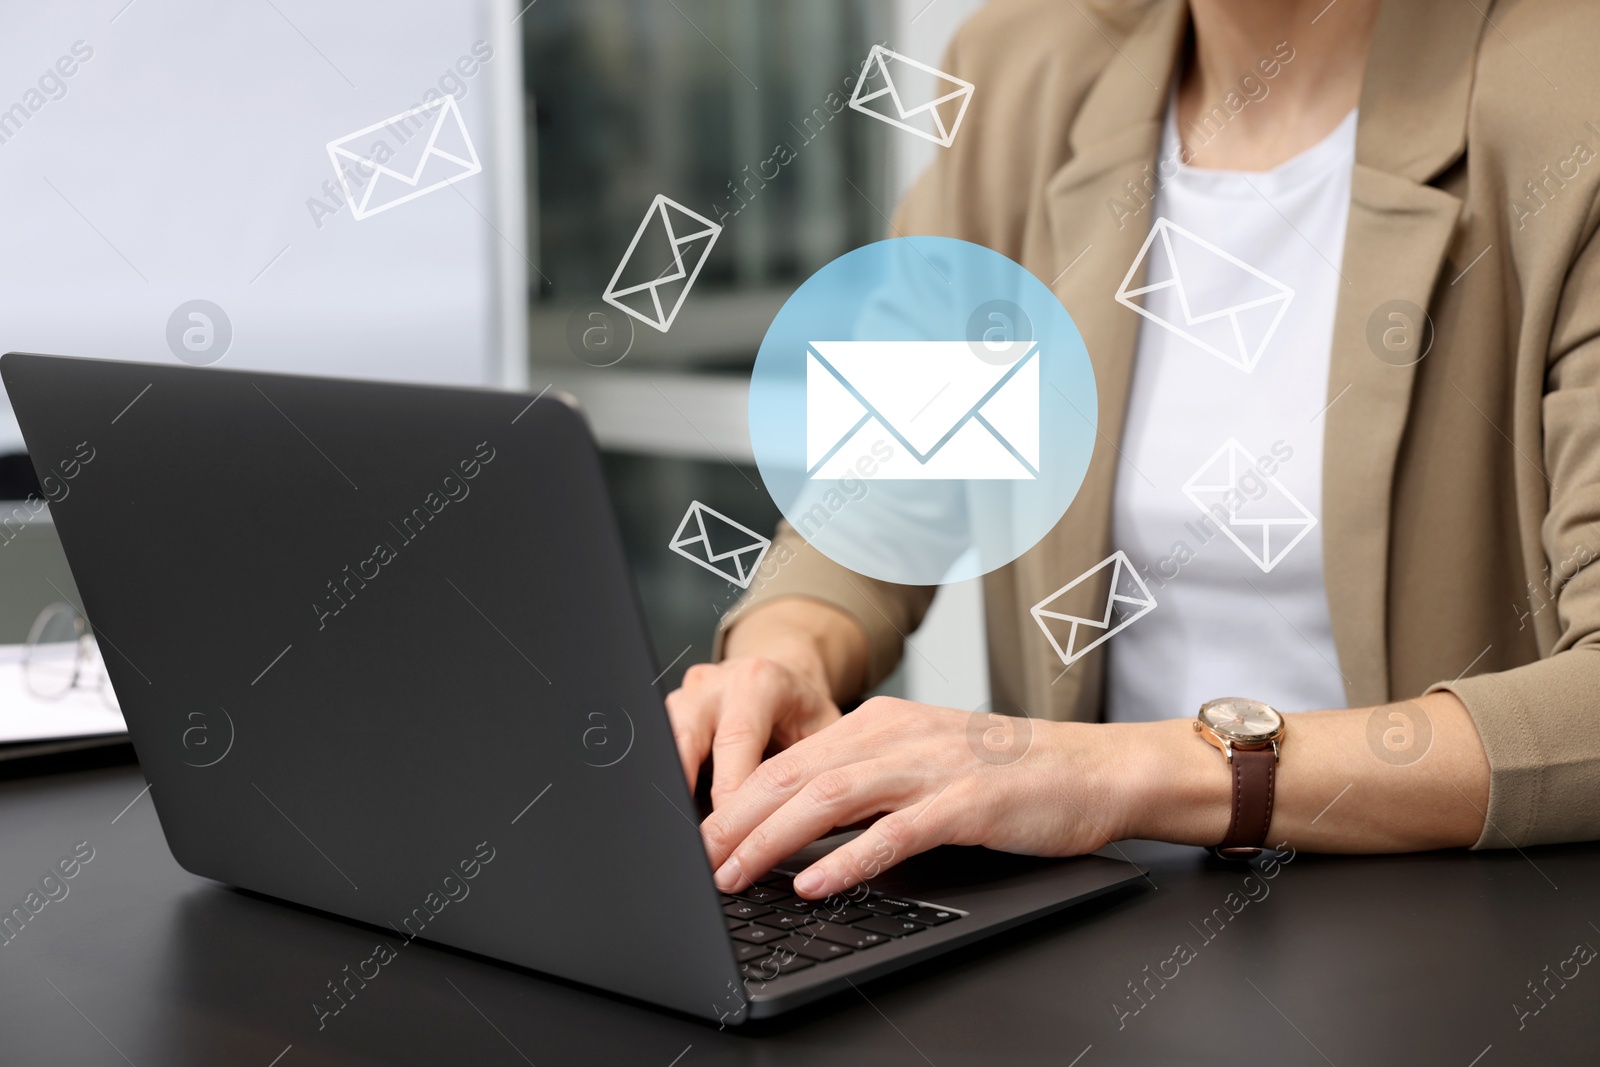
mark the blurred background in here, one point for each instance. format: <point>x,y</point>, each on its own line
<point>184,158</point>
<point>630,98</point>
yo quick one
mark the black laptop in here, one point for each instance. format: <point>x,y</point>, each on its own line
<point>363,635</point>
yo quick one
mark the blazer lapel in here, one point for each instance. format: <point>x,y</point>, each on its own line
<point>1401,231</point>
<point>1115,136</point>
<point>1412,127</point>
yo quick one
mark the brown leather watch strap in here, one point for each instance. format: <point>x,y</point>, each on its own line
<point>1255,772</point>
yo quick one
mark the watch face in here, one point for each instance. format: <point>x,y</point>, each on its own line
<point>1243,720</point>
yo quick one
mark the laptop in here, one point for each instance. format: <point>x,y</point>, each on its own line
<point>380,655</point>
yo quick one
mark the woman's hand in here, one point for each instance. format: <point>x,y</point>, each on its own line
<point>737,708</point>
<point>789,663</point>
<point>935,775</point>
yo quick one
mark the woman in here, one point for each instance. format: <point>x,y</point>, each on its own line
<point>1434,633</point>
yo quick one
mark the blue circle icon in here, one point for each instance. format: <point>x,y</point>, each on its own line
<point>923,410</point>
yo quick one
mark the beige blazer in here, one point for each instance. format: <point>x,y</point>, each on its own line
<point>1461,494</point>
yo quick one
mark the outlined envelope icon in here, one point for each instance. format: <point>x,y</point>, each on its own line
<point>720,545</point>
<point>954,414</point>
<point>661,263</point>
<point>1267,523</point>
<point>1204,295</point>
<point>932,115</point>
<point>1079,617</point>
<point>409,154</point>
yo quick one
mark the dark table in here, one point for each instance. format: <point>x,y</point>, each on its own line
<point>1421,959</point>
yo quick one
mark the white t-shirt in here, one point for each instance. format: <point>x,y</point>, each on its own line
<point>1226,414</point>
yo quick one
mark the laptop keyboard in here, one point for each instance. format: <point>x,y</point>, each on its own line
<point>775,932</point>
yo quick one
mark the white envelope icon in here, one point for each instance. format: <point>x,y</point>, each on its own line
<point>1206,296</point>
<point>935,117</point>
<point>661,263</point>
<point>409,154</point>
<point>1078,618</point>
<point>1265,523</point>
<point>720,545</point>
<point>954,415</point>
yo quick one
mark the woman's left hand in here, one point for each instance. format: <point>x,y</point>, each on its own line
<point>936,776</point>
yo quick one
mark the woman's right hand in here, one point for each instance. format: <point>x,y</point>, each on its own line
<point>736,709</point>
<point>785,665</point>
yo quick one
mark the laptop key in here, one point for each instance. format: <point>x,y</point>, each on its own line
<point>784,921</point>
<point>885,905</point>
<point>756,934</point>
<point>931,916</point>
<point>882,924</point>
<point>740,909</point>
<point>747,953</point>
<point>733,924</point>
<point>850,936</point>
<point>844,914</point>
<point>761,894</point>
<point>779,963</point>
<point>796,907</point>
<point>814,947</point>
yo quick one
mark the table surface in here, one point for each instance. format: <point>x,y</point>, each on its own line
<point>1417,959</point>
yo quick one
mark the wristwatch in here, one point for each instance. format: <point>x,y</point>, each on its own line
<point>1248,732</point>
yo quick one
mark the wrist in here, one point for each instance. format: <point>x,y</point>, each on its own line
<point>784,645</point>
<point>825,647</point>
<point>1175,787</point>
<point>801,656</point>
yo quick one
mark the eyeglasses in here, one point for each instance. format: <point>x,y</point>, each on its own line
<point>61,655</point>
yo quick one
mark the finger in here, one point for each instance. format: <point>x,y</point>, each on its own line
<point>763,793</point>
<point>851,739</point>
<point>692,737</point>
<point>831,799</point>
<point>740,740</point>
<point>692,712</point>
<point>891,840</point>
<point>749,705</point>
